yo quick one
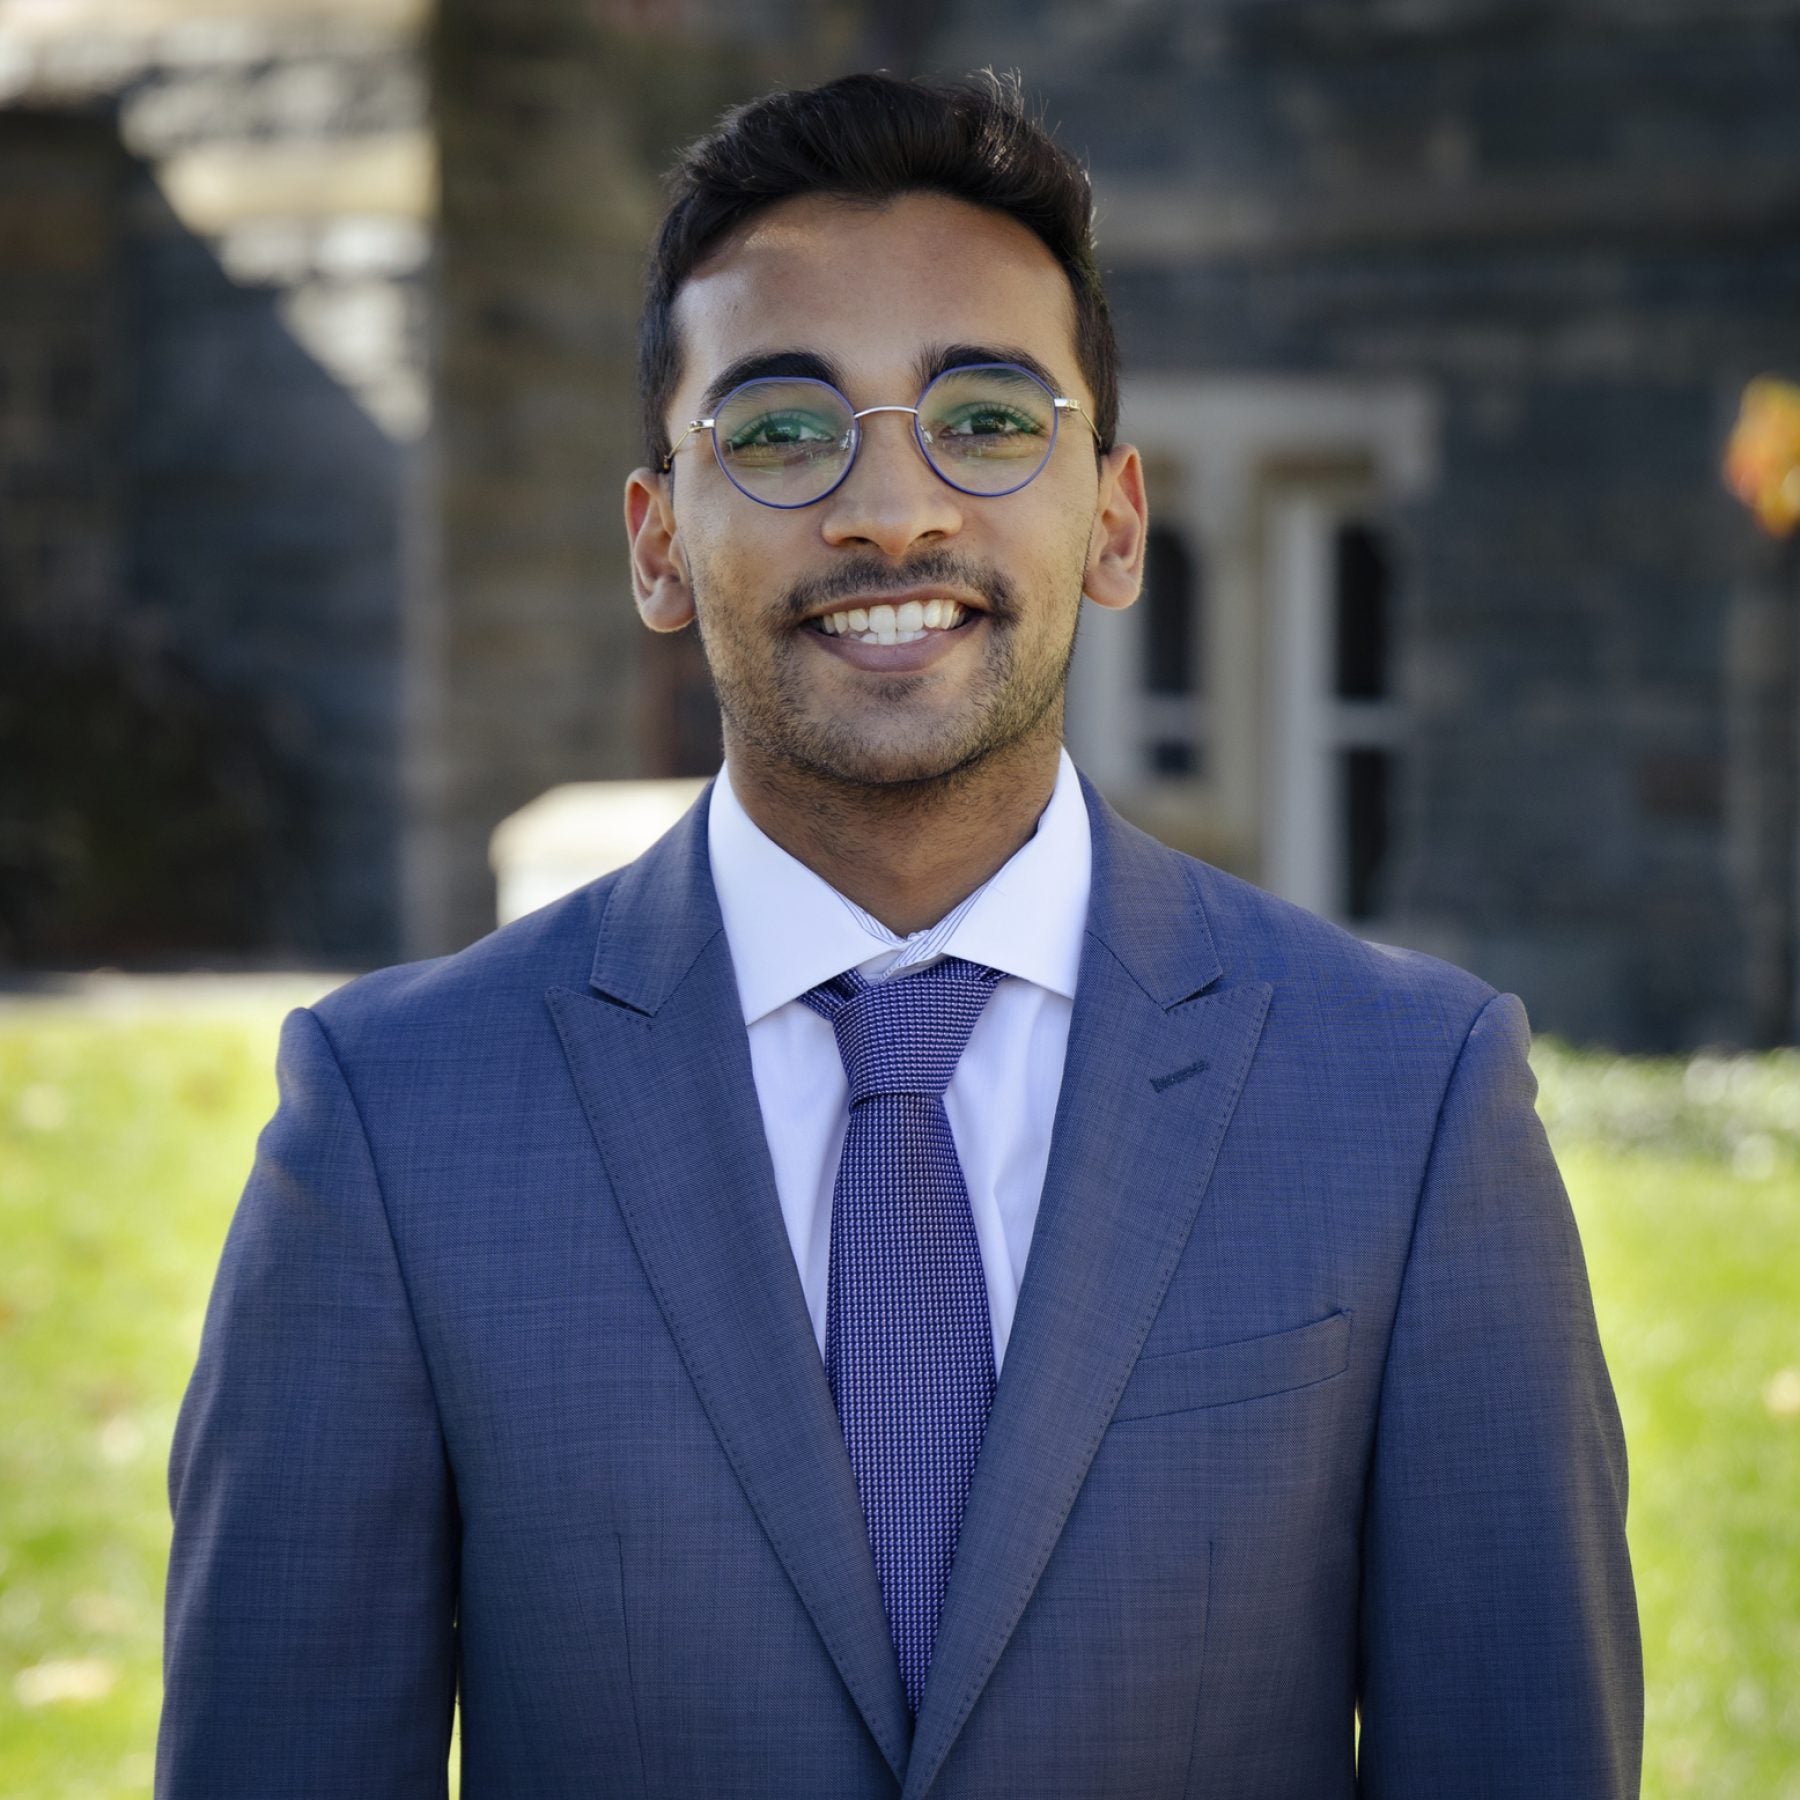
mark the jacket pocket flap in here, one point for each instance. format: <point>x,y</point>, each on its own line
<point>1218,1374</point>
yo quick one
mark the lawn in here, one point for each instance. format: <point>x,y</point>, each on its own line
<point>126,1128</point>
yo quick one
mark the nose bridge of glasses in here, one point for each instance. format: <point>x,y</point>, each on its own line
<point>924,497</point>
<point>857,437</point>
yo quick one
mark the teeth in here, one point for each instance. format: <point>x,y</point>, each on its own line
<point>888,624</point>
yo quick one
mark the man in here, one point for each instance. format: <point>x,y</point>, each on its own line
<point>911,1287</point>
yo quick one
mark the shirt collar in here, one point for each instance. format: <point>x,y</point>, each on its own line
<point>789,930</point>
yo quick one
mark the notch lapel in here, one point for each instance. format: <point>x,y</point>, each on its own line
<point>1158,1052</point>
<point>662,1063</point>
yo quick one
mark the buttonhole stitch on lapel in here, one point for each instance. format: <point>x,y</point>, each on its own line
<point>1159,1082</point>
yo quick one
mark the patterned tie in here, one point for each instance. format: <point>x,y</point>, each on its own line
<point>909,1350</point>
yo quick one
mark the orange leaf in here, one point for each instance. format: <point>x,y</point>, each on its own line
<point>1762,460</point>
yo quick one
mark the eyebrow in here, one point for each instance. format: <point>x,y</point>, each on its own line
<point>810,365</point>
<point>936,358</point>
<point>759,365</point>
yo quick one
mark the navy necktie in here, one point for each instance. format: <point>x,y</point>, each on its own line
<point>909,1349</point>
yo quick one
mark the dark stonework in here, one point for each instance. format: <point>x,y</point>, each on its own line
<point>62,370</point>
<point>234,393</point>
<point>267,545</point>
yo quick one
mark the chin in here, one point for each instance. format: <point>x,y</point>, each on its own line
<point>900,761</point>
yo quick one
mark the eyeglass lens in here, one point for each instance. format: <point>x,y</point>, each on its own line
<point>986,429</point>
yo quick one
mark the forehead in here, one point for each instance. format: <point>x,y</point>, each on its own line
<point>868,285</point>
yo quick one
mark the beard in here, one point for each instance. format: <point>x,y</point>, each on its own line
<point>897,740</point>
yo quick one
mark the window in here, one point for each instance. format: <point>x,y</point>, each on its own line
<point>1334,721</point>
<point>1362,631</point>
<point>1170,676</point>
<point>1248,708</point>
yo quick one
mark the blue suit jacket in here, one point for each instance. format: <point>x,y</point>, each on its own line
<point>507,1383</point>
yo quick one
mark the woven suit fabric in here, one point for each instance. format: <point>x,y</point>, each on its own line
<point>909,1348</point>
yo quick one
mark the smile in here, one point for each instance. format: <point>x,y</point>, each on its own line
<point>906,623</point>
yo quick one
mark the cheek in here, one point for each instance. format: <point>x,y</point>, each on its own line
<point>739,563</point>
<point>1048,557</point>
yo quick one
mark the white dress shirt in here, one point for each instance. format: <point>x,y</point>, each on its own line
<point>789,930</point>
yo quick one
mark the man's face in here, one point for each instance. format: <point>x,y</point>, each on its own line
<point>875,299</point>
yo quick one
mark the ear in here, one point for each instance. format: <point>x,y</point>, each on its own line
<point>659,574</point>
<point>1115,564</point>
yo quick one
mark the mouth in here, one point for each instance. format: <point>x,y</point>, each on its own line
<point>894,622</point>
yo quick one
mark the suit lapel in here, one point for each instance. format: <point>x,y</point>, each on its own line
<point>1127,1171</point>
<point>662,1063</point>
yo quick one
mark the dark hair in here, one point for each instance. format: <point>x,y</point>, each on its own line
<point>875,137</point>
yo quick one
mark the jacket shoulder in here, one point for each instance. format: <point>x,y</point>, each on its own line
<point>477,987</point>
<point>1317,965</point>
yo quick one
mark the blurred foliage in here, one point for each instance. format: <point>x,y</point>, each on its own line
<point>1762,461</point>
<point>140,811</point>
<point>124,1139</point>
<point>1742,1111</point>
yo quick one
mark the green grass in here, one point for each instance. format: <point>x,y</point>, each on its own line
<point>125,1136</point>
<point>123,1142</point>
<point>1686,1183</point>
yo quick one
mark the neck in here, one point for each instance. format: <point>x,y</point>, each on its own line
<point>909,851</point>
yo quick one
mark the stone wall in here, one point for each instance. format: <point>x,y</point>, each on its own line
<point>276,226</point>
<point>62,375</point>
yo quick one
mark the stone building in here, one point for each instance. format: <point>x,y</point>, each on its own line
<point>216,231</point>
<point>315,394</point>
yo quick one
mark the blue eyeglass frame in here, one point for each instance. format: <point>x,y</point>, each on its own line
<point>1060,404</point>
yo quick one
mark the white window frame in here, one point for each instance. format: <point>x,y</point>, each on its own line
<point>1228,446</point>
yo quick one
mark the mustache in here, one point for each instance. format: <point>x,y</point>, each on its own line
<point>857,576</point>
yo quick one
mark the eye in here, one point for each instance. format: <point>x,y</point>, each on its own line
<point>987,419</point>
<point>985,431</point>
<point>781,430</point>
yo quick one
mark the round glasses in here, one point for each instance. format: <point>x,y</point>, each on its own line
<point>788,440</point>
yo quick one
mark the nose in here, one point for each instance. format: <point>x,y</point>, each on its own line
<point>892,498</point>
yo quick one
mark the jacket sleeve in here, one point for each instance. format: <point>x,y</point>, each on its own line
<point>309,1645</point>
<point>1499,1651</point>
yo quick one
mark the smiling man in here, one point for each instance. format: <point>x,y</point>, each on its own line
<point>911,1287</point>
<point>925,443</point>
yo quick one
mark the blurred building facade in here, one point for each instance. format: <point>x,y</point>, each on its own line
<point>216,233</point>
<point>316,333</point>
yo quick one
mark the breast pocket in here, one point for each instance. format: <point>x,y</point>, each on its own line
<point>1252,1369</point>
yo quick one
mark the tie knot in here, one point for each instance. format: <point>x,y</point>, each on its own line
<point>905,1035</point>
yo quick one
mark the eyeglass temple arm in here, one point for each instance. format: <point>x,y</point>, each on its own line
<point>1064,404</point>
<point>668,462</point>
